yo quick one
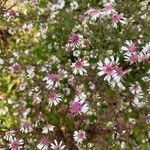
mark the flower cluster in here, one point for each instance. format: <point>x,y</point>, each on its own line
<point>74,74</point>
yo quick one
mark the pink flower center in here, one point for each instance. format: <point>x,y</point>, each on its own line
<point>57,148</point>
<point>132,48</point>
<point>16,67</point>
<point>53,96</point>
<point>26,125</point>
<point>53,77</point>
<point>108,69</point>
<point>74,38</point>
<point>135,87</point>
<point>76,107</point>
<point>134,58</point>
<point>15,144</point>
<point>81,135</point>
<point>116,18</point>
<point>120,72</point>
<point>79,64</point>
<point>45,142</point>
<point>12,13</point>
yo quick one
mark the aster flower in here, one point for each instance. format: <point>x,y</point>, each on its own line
<point>79,106</point>
<point>107,10</point>
<point>52,80</point>
<point>11,14</point>
<point>75,39</point>
<point>15,67</point>
<point>130,54</point>
<point>9,135</point>
<point>16,144</point>
<point>116,18</point>
<point>144,55</point>
<point>117,78</point>
<point>130,47</point>
<point>56,146</point>
<point>108,67</point>
<point>118,74</point>
<point>138,103</point>
<point>131,57</point>
<point>54,98</point>
<point>43,144</point>
<point>94,13</point>
<point>47,128</point>
<point>27,27</point>
<point>146,48</point>
<point>78,66</point>
<point>26,127</point>
<point>136,90</point>
<point>79,136</point>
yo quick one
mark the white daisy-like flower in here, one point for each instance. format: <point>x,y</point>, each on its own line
<point>16,144</point>
<point>108,10</point>
<point>116,18</point>
<point>27,26</point>
<point>54,98</point>
<point>57,146</point>
<point>138,94</point>
<point>9,135</point>
<point>138,103</point>
<point>94,13</point>
<point>75,39</point>
<point>79,106</point>
<point>146,48</point>
<point>79,136</point>
<point>143,56</point>
<point>26,128</point>
<point>108,67</point>
<point>48,128</point>
<point>43,144</point>
<point>78,67</point>
<point>130,47</point>
<point>52,80</point>
<point>131,57</point>
<point>135,88</point>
